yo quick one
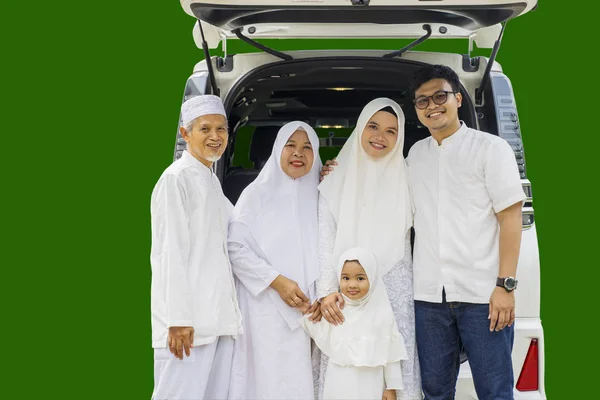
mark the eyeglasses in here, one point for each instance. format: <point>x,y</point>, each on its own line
<point>439,98</point>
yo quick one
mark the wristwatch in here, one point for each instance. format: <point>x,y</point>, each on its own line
<point>509,283</point>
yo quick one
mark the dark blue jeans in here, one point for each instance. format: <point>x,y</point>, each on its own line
<point>442,329</point>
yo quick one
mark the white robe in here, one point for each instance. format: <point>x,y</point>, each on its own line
<point>192,282</point>
<point>274,230</point>
<point>205,374</point>
<point>271,361</point>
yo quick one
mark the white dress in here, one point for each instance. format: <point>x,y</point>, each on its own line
<point>359,383</point>
<point>270,361</point>
<point>399,285</point>
<point>274,230</point>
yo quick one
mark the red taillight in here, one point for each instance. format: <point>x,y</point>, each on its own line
<point>528,379</point>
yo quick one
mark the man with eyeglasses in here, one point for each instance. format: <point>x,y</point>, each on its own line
<point>467,198</point>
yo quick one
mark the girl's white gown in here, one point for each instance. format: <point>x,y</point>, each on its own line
<point>358,383</point>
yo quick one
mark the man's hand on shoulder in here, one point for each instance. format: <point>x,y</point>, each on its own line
<point>327,168</point>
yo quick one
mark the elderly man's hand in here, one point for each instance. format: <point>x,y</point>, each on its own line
<point>328,167</point>
<point>330,309</point>
<point>290,293</point>
<point>181,338</point>
<point>315,312</point>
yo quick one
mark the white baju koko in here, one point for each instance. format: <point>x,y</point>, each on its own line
<point>192,282</point>
<point>365,351</point>
<point>274,230</point>
<point>459,187</point>
<point>366,202</point>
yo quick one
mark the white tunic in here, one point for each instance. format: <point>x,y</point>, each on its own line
<point>192,282</point>
<point>458,187</point>
<point>398,282</point>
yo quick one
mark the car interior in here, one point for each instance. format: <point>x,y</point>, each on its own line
<point>327,94</point>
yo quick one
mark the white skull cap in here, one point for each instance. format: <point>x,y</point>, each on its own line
<point>201,105</point>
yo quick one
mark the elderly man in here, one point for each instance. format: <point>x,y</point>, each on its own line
<point>195,314</point>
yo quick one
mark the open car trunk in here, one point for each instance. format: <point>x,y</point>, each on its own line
<point>350,18</point>
<point>328,94</point>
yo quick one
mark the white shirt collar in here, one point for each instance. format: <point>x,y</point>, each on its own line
<point>452,138</point>
<point>189,159</point>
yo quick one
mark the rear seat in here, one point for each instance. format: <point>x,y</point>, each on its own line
<point>412,134</point>
<point>261,146</point>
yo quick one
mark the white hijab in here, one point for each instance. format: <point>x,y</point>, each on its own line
<point>280,215</point>
<point>370,198</point>
<point>369,335</point>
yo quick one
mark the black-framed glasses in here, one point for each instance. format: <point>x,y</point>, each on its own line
<point>439,98</point>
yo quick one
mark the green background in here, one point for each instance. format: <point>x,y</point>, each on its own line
<point>90,102</point>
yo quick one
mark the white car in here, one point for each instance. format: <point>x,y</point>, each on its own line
<point>327,89</point>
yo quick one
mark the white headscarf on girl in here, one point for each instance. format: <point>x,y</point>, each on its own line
<point>278,218</point>
<point>369,335</point>
<point>370,198</point>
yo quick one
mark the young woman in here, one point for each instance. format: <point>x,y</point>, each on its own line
<point>365,202</point>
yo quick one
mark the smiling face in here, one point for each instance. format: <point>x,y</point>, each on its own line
<point>207,139</point>
<point>354,282</point>
<point>440,119</point>
<point>380,134</point>
<point>297,156</point>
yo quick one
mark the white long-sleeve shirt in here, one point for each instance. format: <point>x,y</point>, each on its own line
<point>458,188</point>
<point>192,283</point>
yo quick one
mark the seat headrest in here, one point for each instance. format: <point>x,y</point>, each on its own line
<point>261,145</point>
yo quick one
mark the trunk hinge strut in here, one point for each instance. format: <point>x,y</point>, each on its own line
<point>283,56</point>
<point>417,42</point>
<point>211,72</point>
<point>488,69</point>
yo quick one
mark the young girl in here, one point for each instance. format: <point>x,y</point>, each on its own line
<point>365,351</point>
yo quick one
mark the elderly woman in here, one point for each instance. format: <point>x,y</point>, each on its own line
<point>273,240</point>
<point>365,202</point>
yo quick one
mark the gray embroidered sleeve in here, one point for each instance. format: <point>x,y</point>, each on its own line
<point>327,282</point>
